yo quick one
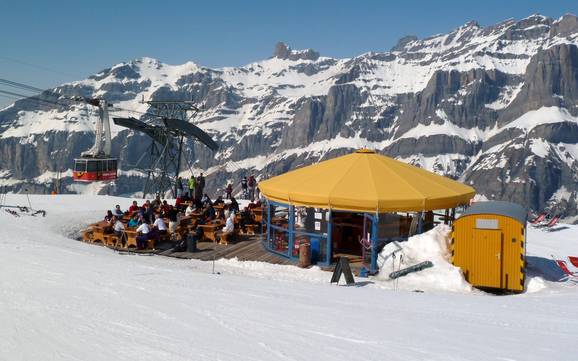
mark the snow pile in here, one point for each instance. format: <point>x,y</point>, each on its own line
<point>535,284</point>
<point>430,246</point>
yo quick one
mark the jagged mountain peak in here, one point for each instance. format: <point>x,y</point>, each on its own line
<point>283,51</point>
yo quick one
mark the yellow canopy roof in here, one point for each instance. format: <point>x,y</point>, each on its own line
<point>367,182</point>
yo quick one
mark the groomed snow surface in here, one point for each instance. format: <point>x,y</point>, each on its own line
<point>61,299</point>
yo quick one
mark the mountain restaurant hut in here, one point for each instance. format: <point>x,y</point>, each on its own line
<point>353,205</point>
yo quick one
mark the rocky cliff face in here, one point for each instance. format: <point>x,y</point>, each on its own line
<point>495,107</point>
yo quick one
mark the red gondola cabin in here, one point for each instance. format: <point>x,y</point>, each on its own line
<point>95,169</point>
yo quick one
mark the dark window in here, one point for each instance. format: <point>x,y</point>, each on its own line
<point>80,166</point>
<point>99,165</point>
<point>91,167</point>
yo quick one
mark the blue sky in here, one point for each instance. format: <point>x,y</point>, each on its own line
<point>45,43</point>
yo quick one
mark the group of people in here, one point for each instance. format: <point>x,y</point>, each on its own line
<point>195,188</point>
<point>149,218</point>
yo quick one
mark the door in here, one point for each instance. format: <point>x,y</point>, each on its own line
<point>486,258</point>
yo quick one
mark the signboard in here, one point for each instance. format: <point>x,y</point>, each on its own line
<point>316,220</point>
<point>486,223</point>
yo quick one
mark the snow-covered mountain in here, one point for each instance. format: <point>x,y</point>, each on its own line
<point>495,107</point>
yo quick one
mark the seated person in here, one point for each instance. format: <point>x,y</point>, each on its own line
<point>194,237</point>
<point>209,212</point>
<point>190,210</point>
<point>118,226</point>
<point>160,225</point>
<point>165,207</point>
<point>219,201</point>
<point>246,218</point>
<point>234,206</point>
<point>254,205</point>
<point>134,221</point>
<point>109,216</point>
<point>149,213</point>
<point>206,200</point>
<point>173,216</point>
<point>134,207</point>
<point>229,225</point>
<point>142,235</point>
<point>185,197</point>
<point>178,201</point>
<point>117,212</point>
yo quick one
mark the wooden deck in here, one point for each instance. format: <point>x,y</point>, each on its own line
<point>247,248</point>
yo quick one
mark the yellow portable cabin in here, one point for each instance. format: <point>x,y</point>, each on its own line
<point>489,245</point>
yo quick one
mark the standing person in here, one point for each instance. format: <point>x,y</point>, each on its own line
<point>229,190</point>
<point>244,186</point>
<point>179,187</point>
<point>157,202</point>
<point>251,183</point>
<point>201,184</point>
<point>198,188</point>
<point>192,183</point>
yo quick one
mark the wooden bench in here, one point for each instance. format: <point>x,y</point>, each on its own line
<point>87,236</point>
<point>131,243</point>
<point>109,240</point>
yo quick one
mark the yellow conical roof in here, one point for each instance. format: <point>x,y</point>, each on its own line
<point>367,182</point>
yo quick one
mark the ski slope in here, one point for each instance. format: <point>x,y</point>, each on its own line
<point>65,300</point>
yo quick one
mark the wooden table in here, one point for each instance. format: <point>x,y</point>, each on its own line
<point>210,230</point>
<point>130,237</point>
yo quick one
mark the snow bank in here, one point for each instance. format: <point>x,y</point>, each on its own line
<point>430,246</point>
<point>272,271</point>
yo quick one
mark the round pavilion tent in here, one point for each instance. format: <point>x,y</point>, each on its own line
<point>362,182</point>
<point>365,181</point>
